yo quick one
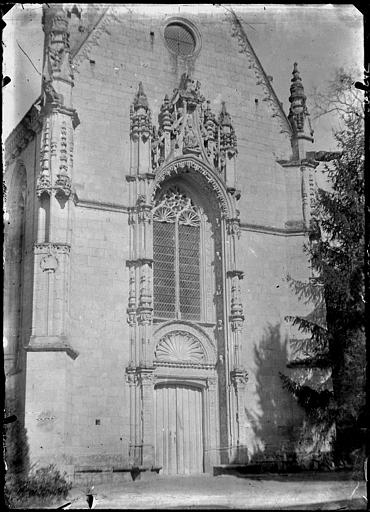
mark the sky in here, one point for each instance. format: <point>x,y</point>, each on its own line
<point>320,37</point>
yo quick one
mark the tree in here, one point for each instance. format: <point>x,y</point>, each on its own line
<point>336,248</point>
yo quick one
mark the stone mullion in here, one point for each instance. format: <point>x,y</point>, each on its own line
<point>177,270</point>
<point>203,271</point>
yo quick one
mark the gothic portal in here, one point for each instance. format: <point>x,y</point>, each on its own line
<point>158,197</point>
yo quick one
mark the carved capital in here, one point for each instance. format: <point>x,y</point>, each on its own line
<point>234,192</point>
<point>131,316</point>
<point>131,376</point>
<point>145,261</point>
<point>63,186</point>
<point>146,376</point>
<point>211,383</point>
<point>239,378</point>
<point>233,227</point>
<point>145,214</point>
<point>237,322</point>
<point>235,273</point>
<point>43,185</point>
<point>145,315</point>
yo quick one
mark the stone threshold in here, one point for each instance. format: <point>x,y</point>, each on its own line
<point>135,471</point>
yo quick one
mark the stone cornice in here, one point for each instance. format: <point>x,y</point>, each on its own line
<point>138,177</point>
<point>270,230</point>
<point>99,205</point>
<point>260,228</point>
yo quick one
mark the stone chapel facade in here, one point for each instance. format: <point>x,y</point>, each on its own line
<point>158,197</point>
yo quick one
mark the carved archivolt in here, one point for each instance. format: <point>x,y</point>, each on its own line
<point>182,165</point>
<point>180,346</point>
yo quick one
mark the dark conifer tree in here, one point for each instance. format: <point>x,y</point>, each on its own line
<point>336,249</point>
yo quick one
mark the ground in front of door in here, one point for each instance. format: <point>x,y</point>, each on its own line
<point>271,492</point>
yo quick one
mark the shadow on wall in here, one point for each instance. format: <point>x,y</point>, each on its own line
<point>276,422</point>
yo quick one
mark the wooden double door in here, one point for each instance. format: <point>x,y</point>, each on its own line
<point>179,429</point>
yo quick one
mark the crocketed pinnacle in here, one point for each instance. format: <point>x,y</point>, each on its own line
<point>298,113</point>
<point>225,119</point>
<point>296,89</point>
<point>141,100</point>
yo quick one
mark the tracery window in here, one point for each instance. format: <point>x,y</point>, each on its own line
<point>180,39</point>
<point>176,253</point>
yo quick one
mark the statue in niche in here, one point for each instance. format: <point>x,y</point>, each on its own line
<point>190,141</point>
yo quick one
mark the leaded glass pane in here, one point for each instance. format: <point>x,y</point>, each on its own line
<point>164,269</point>
<point>189,271</point>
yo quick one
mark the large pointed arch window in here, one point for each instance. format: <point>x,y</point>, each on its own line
<point>176,254</point>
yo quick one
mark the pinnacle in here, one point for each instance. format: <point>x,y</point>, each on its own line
<point>225,116</point>
<point>296,88</point>
<point>295,73</point>
<point>141,99</point>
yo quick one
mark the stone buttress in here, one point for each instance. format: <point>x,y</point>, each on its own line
<point>49,350</point>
